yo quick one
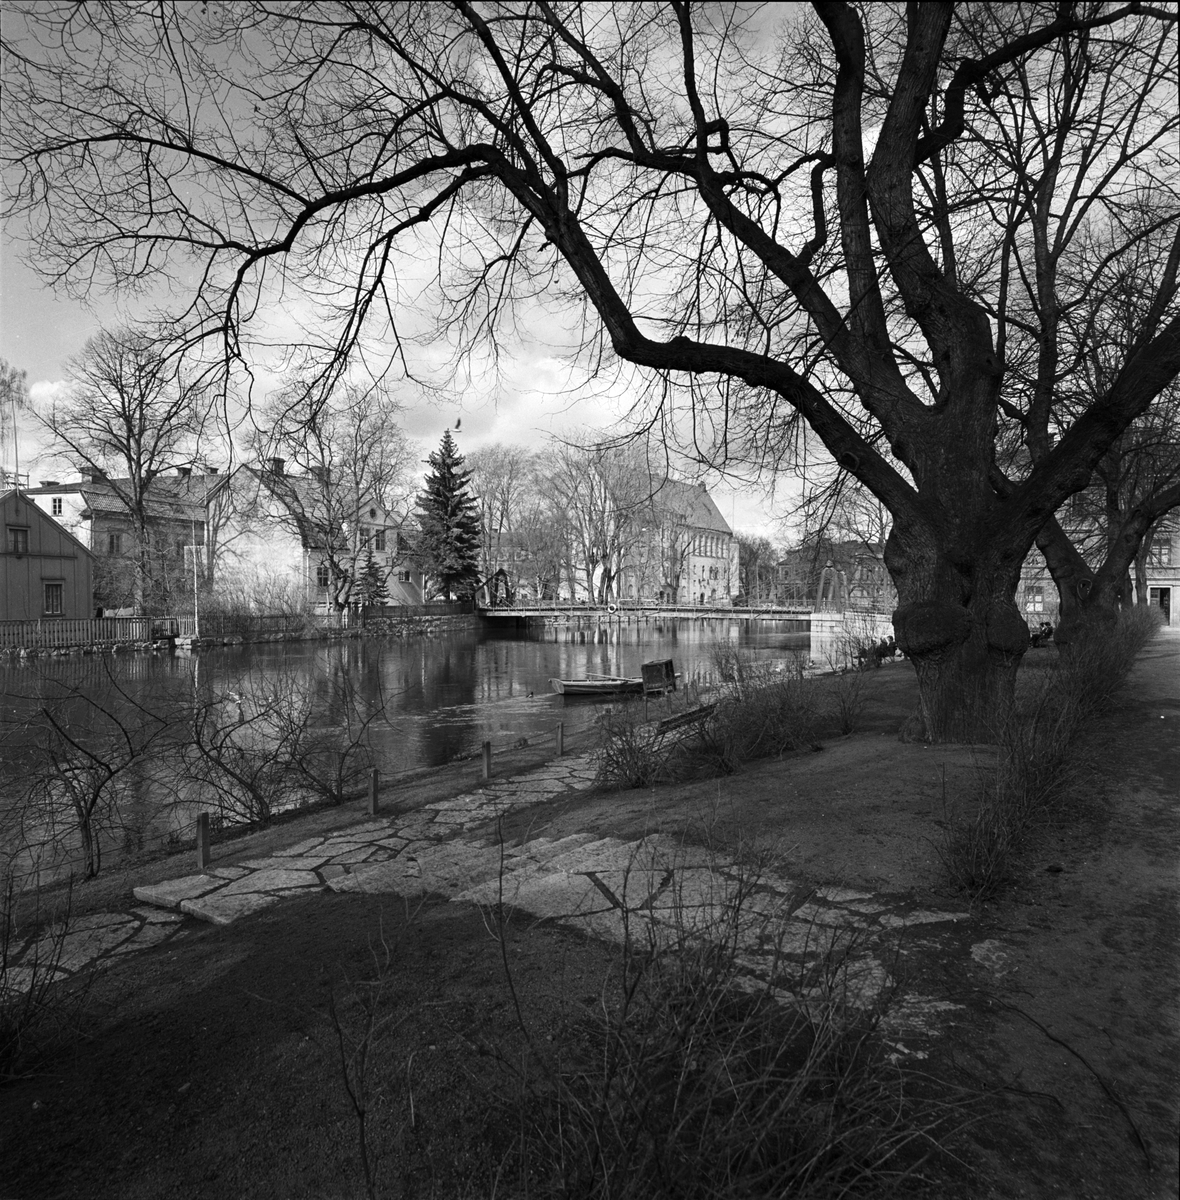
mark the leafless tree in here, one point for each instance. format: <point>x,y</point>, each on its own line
<point>669,171</point>
<point>129,417</point>
<point>500,480</point>
<point>352,470</point>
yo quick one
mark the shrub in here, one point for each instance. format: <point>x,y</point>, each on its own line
<point>1036,763</point>
<point>692,1080</point>
<point>35,1007</point>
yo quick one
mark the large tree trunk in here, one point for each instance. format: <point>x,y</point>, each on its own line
<point>958,622</point>
<point>1089,600</point>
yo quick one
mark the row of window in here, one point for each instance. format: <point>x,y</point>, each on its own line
<point>323,576</point>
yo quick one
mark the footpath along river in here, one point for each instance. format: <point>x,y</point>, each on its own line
<point>439,697</point>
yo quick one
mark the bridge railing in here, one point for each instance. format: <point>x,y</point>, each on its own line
<point>626,607</point>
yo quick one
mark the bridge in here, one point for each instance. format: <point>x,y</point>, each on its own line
<point>625,610</point>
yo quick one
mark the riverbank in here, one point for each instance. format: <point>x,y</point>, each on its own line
<point>211,1066</point>
<point>21,641</point>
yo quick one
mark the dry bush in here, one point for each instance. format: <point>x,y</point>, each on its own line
<point>36,1007</point>
<point>1038,762</point>
<point>692,1080</point>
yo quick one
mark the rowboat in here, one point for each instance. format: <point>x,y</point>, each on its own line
<point>596,685</point>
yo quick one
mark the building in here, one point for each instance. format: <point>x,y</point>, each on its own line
<point>45,571</point>
<point>280,538</point>
<point>683,551</point>
<point>1163,572</point>
<point>258,536</point>
<point>1037,593</point>
<point>838,576</point>
<point>95,510</point>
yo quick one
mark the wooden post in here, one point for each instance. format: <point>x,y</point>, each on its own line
<point>560,738</point>
<point>373,775</point>
<point>202,841</point>
<point>487,760</point>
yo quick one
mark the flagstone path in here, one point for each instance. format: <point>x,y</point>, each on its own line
<point>655,889</point>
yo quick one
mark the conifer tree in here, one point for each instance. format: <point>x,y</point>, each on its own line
<point>449,536</point>
<point>372,582</point>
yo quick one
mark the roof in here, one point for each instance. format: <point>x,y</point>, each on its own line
<point>44,516</point>
<point>170,497</point>
<point>692,503</point>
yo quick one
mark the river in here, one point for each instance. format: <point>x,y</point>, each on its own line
<point>422,701</point>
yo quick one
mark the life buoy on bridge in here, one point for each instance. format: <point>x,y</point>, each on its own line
<point>612,608</point>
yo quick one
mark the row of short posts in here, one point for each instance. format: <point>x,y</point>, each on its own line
<point>374,782</point>
<point>487,750</point>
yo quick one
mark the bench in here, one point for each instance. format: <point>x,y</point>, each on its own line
<point>684,720</point>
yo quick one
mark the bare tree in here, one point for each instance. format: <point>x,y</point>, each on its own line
<point>669,168</point>
<point>129,417</point>
<point>602,492</point>
<point>14,399</point>
<point>352,467</point>
<point>500,481</point>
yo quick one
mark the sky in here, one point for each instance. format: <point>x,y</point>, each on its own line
<point>41,330</point>
<point>535,396</point>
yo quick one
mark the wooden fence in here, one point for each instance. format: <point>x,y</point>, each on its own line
<point>54,634</point>
<point>51,634</point>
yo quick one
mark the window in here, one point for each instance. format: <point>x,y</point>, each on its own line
<point>322,575</point>
<point>1034,599</point>
<point>379,540</point>
<point>55,505</point>
<point>18,540</point>
<point>1160,555</point>
<point>114,543</point>
<point>403,576</point>
<point>54,599</point>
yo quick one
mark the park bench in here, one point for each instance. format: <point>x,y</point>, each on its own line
<point>694,717</point>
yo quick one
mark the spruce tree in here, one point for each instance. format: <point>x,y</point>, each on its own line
<point>372,582</point>
<point>449,535</point>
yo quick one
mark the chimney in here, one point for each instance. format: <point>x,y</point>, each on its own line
<point>90,475</point>
<point>212,470</point>
<point>184,472</point>
<point>277,465</point>
<point>50,483</point>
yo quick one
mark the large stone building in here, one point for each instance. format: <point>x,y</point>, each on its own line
<point>682,551</point>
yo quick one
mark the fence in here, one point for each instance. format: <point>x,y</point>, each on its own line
<point>54,634</point>
<point>437,608</point>
<point>47,635</point>
<point>255,625</point>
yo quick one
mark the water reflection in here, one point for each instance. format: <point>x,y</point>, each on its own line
<point>436,697</point>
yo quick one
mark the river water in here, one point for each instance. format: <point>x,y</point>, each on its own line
<point>437,698</point>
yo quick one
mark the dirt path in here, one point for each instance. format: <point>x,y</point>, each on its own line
<point>1077,995</point>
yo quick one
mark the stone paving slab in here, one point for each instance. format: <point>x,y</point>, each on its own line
<point>172,892</point>
<point>222,909</point>
<point>653,889</point>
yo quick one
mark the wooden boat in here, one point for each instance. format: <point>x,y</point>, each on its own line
<point>596,685</point>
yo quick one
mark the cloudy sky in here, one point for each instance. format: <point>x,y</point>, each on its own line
<point>536,396</point>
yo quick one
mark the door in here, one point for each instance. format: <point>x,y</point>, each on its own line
<point>1163,597</point>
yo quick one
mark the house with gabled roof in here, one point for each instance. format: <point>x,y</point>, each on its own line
<point>258,534</point>
<point>46,573</point>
